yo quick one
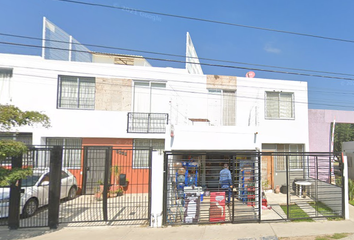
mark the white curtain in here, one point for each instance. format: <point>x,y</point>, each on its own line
<point>77,92</point>
<point>5,85</point>
<point>68,92</point>
<point>214,107</point>
<point>141,97</point>
<point>86,93</point>
<point>158,98</point>
<point>229,108</point>
<point>286,105</point>
<point>272,102</point>
<point>279,105</point>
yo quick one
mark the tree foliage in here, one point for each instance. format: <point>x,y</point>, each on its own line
<point>343,132</point>
<point>10,118</point>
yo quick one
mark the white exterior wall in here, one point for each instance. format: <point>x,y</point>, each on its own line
<point>250,119</point>
<point>34,87</point>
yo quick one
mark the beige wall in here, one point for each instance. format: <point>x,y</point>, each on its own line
<point>221,82</point>
<point>113,94</point>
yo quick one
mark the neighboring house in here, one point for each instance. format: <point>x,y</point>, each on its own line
<point>320,130</point>
<point>99,99</point>
<point>348,150</point>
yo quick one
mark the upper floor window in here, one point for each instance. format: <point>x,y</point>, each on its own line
<point>5,73</point>
<point>222,107</point>
<point>279,105</point>
<point>5,85</point>
<point>76,92</point>
<point>150,97</point>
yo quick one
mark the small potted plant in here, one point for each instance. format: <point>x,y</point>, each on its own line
<point>112,193</point>
<point>125,188</point>
<point>119,192</point>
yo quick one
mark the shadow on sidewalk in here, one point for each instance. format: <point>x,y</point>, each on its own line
<point>23,233</point>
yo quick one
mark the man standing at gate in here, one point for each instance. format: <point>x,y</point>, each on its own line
<point>225,181</point>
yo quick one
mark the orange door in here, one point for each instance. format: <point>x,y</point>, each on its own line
<point>267,172</point>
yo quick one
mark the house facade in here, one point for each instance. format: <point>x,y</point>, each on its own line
<point>97,99</point>
<point>128,106</point>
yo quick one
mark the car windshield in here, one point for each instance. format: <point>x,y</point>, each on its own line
<point>29,181</point>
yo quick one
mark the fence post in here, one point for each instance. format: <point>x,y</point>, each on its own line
<point>165,186</point>
<point>108,162</point>
<point>15,195</point>
<point>233,185</point>
<point>56,155</point>
<point>260,196</point>
<point>150,186</point>
<point>288,190</point>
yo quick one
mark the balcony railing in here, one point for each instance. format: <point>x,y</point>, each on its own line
<point>147,122</point>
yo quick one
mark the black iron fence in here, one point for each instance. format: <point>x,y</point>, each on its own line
<point>263,186</point>
<point>195,192</point>
<point>105,187</point>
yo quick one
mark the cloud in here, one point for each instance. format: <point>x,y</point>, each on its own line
<point>269,48</point>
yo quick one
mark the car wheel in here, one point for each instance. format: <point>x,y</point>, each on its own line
<point>72,193</point>
<point>30,207</point>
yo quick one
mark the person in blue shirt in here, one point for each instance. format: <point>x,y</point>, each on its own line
<point>225,181</point>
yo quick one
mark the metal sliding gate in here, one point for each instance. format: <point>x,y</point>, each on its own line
<point>264,186</point>
<point>115,188</point>
<point>315,186</point>
<point>194,193</point>
<point>99,185</point>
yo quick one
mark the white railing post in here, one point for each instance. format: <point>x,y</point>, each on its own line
<point>156,189</point>
<point>345,187</point>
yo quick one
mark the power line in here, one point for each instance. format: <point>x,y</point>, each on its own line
<point>208,21</point>
<point>205,64</point>
<point>173,55</point>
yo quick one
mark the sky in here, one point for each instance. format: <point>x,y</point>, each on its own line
<point>130,29</point>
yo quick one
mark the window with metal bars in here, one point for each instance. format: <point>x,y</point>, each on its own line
<point>76,92</point>
<point>279,105</point>
<point>141,151</point>
<point>295,159</point>
<point>25,138</point>
<point>222,107</point>
<point>71,150</point>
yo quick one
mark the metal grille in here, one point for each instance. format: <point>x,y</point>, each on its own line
<point>312,187</point>
<point>76,92</point>
<point>317,190</point>
<point>196,193</point>
<point>147,122</point>
<point>111,190</point>
<point>106,188</point>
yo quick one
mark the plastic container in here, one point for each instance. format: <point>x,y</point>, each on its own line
<point>180,178</point>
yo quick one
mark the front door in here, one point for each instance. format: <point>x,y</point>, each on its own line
<point>94,162</point>
<point>267,172</point>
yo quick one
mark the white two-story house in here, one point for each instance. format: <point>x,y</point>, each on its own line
<point>99,99</point>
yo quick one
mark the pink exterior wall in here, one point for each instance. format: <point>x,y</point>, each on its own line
<point>320,127</point>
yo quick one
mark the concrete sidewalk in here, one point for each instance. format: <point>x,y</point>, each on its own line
<point>194,232</point>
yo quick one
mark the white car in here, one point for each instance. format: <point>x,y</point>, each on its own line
<point>36,192</point>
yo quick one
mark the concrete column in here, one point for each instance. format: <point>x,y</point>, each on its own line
<point>156,189</point>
